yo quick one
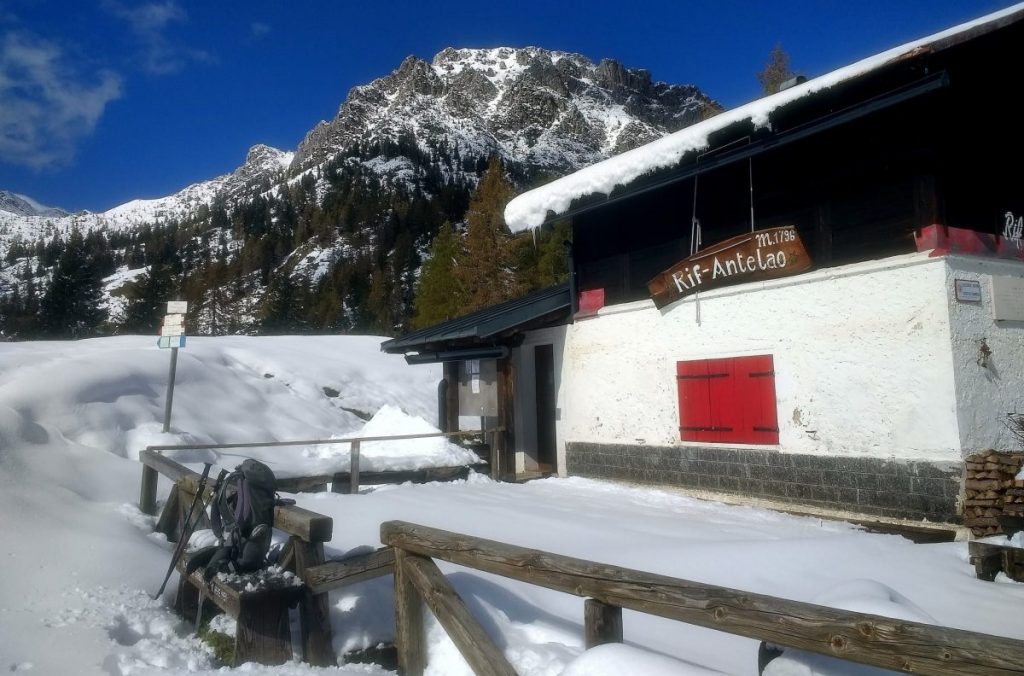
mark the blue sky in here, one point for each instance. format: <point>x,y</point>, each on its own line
<point>103,101</point>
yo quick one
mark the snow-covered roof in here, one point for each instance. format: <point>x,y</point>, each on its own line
<point>530,209</point>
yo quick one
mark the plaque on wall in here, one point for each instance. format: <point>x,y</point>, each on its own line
<point>967,290</point>
<point>478,387</point>
<point>1008,299</point>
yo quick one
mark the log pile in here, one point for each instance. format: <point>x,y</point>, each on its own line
<point>991,490</point>
<point>1013,503</point>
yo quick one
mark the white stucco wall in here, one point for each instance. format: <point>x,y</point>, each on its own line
<point>525,401</point>
<point>986,391</point>
<point>862,359</point>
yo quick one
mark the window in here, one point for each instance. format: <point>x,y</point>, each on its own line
<point>728,400</point>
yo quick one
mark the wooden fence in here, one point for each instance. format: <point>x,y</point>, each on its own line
<point>869,639</point>
<point>147,498</point>
<point>257,638</point>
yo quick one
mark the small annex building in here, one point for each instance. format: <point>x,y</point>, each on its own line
<point>816,298</point>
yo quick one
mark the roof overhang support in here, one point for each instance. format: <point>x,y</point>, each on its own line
<point>498,352</point>
<point>711,159</point>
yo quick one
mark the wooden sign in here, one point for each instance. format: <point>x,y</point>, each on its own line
<point>177,307</point>
<point>764,254</point>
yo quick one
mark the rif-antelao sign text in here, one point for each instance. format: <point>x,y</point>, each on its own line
<point>764,254</point>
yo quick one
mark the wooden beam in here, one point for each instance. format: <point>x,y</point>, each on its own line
<point>335,574</point>
<point>869,639</point>
<point>164,465</point>
<point>262,632</point>
<point>147,493</point>
<point>602,623</point>
<point>451,376</point>
<point>299,442</point>
<point>304,484</point>
<point>341,482</point>
<point>169,522</point>
<point>506,418</point>
<point>476,646</point>
<point>353,472</point>
<point>307,525</point>
<point>410,636</point>
<point>314,608</point>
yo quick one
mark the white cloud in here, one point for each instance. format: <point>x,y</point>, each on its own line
<point>47,106</point>
<point>258,29</point>
<point>149,23</point>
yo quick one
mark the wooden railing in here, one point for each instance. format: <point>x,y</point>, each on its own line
<point>147,497</point>
<point>869,639</point>
<point>307,531</point>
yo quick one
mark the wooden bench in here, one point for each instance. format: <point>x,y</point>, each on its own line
<point>991,559</point>
<point>262,632</point>
<point>307,531</point>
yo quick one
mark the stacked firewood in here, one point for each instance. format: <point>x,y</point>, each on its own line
<point>1013,503</point>
<point>991,490</point>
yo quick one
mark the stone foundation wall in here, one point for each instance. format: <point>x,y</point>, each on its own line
<point>903,489</point>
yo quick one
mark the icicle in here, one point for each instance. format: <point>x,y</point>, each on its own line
<point>750,172</point>
<point>695,242</point>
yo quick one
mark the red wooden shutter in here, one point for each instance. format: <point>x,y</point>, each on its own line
<point>700,384</point>
<point>760,415</point>
<point>728,400</point>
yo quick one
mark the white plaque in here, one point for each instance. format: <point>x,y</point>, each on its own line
<point>967,290</point>
<point>177,307</point>
<point>171,330</point>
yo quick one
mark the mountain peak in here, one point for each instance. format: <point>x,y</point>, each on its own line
<point>267,155</point>
<point>22,205</point>
<point>555,111</point>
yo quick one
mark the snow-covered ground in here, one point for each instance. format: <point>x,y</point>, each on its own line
<point>79,559</point>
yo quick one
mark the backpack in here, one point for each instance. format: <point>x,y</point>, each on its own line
<point>242,517</point>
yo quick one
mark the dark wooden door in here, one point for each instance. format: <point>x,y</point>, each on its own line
<point>544,371</point>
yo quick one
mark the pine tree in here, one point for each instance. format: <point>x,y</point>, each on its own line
<point>146,307</point>
<point>71,307</point>
<point>542,257</point>
<point>775,72</point>
<point>487,269</point>
<point>283,306</point>
<point>440,295</point>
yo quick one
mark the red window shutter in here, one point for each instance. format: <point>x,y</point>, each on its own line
<point>761,421</point>
<point>700,384</point>
<point>728,400</point>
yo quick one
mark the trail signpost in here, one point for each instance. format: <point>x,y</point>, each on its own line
<point>172,335</point>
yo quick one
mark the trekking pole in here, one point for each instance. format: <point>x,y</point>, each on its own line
<point>186,529</point>
<point>202,588</point>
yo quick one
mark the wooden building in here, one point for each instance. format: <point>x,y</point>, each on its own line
<point>815,298</point>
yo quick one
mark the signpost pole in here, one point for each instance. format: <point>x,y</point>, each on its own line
<point>172,335</point>
<point>170,389</point>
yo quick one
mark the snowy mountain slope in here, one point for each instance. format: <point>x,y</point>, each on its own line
<point>263,165</point>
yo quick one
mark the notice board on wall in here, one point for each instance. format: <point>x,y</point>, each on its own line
<point>478,387</point>
<point>1008,299</point>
